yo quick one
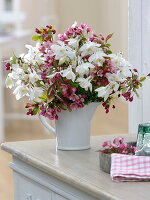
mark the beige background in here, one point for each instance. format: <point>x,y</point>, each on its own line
<point>104,16</point>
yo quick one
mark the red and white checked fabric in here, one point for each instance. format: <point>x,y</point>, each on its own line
<point>130,167</point>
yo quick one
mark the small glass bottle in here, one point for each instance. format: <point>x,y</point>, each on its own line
<point>143,140</point>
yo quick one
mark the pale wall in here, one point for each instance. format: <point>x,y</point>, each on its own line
<point>104,16</point>
<point>36,10</point>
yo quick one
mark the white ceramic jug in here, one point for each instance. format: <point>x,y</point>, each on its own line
<point>72,129</point>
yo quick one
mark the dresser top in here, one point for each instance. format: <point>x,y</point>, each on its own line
<point>78,168</point>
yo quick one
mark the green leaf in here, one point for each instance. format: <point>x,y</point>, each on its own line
<point>41,38</point>
<point>136,86</point>
<point>14,60</point>
<point>44,96</point>
<point>109,52</point>
<point>36,110</point>
<point>35,37</point>
<point>142,79</point>
<point>82,41</point>
<point>124,90</point>
<point>135,76</point>
<point>108,45</point>
<point>55,63</point>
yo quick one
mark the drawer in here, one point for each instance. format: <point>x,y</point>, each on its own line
<point>27,189</point>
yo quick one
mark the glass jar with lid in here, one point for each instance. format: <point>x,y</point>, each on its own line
<point>143,140</point>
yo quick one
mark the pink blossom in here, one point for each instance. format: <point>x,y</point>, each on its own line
<point>56,117</point>
<point>127,95</point>
<point>91,39</point>
<point>112,68</point>
<point>98,83</point>
<point>47,44</point>
<point>117,141</point>
<point>133,148</point>
<point>83,26</point>
<point>122,146</point>
<point>131,99</point>
<point>37,31</point>
<point>53,80</point>
<point>50,27</point>
<point>124,152</point>
<point>107,144</point>
<point>73,89</point>
<point>43,76</point>
<point>53,31</point>
<point>57,75</point>
<point>62,37</point>
<point>79,31</point>
<point>94,34</point>
<point>88,29</point>
<point>7,66</point>
<point>30,112</point>
<point>59,110</point>
<point>135,70</point>
<point>42,49</point>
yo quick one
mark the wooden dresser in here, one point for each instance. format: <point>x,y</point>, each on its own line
<point>43,173</point>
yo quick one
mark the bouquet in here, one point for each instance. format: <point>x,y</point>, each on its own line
<point>76,69</point>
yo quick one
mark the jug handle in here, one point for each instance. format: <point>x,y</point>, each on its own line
<point>47,125</point>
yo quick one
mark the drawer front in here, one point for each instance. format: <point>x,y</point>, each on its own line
<point>27,189</point>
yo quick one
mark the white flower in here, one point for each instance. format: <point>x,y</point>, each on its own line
<point>89,48</point>
<point>34,55</point>
<point>62,60</point>
<point>52,75</point>
<point>114,86</point>
<point>126,72</point>
<point>25,66</point>
<point>104,92</point>
<point>115,77</point>
<point>73,63</point>
<point>13,75</point>
<point>9,82</point>
<point>35,93</point>
<point>73,42</point>
<point>18,73</point>
<point>97,58</point>
<point>119,61</point>
<point>68,73</point>
<point>20,91</point>
<point>84,68</point>
<point>15,67</point>
<point>85,83</point>
<point>60,50</point>
<point>24,77</point>
<point>33,77</point>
